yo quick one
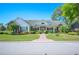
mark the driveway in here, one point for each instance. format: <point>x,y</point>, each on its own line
<point>43,38</point>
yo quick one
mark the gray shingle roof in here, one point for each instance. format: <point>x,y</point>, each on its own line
<point>21,22</point>
<point>49,23</point>
<point>44,22</point>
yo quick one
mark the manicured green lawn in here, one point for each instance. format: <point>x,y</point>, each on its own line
<point>28,37</point>
<point>63,37</point>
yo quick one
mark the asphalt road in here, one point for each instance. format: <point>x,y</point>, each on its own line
<point>39,48</point>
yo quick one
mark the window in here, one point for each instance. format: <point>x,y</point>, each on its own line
<point>42,23</point>
<point>26,28</point>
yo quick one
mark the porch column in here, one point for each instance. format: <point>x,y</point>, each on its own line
<point>46,28</point>
<point>54,29</point>
<point>19,29</point>
<point>28,28</point>
<point>39,28</point>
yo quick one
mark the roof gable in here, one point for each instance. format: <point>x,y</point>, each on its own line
<point>21,22</point>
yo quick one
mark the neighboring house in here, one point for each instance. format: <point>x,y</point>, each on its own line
<point>40,25</point>
<point>75,26</point>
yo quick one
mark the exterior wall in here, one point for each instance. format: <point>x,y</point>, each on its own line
<point>24,26</point>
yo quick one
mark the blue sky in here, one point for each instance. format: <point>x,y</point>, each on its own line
<point>27,11</point>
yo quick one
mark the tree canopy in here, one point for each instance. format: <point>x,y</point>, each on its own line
<point>2,27</point>
<point>56,13</point>
<point>12,26</point>
<point>70,11</point>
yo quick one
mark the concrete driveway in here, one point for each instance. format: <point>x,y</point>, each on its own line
<point>43,38</point>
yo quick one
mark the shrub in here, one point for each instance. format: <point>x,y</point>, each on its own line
<point>4,32</point>
<point>24,33</point>
<point>50,31</point>
<point>46,32</point>
<point>1,32</point>
<point>13,33</point>
<point>41,32</point>
<point>38,32</point>
<point>64,28</point>
<point>72,33</point>
<point>33,32</point>
<point>57,34</point>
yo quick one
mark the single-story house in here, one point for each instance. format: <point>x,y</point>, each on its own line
<point>40,25</point>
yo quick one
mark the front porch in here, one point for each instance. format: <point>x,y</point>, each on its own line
<point>45,28</point>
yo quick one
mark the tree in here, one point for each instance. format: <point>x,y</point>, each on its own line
<point>57,12</point>
<point>12,26</point>
<point>70,11</point>
<point>2,27</point>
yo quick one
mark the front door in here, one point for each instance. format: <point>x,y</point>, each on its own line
<point>42,28</point>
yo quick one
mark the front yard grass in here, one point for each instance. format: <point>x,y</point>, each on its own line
<point>28,37</point>
<point>63,37</point>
